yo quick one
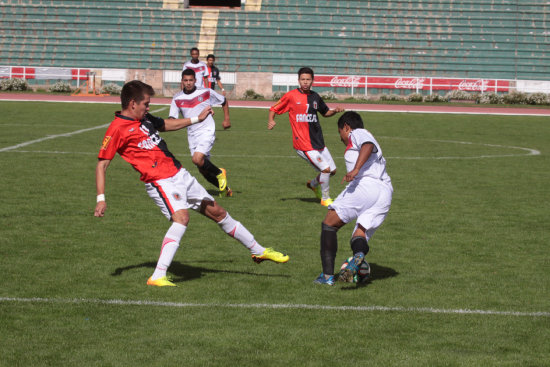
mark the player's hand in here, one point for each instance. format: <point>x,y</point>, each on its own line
<point>271,125</point>
<point>100,209</point>
<point>226,124</point>
<point>204,113</point>
<point>350,175</point>
<point>339,109</point>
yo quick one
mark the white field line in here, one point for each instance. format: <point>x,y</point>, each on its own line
<point>49,137</point>
<point>528,151</point>
<point>271,306</point>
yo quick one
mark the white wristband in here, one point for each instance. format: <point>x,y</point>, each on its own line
<point>223,90</point>
<point>100,197</point>
<point>194,120</point>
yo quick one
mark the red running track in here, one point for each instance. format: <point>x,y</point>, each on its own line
<point>477,109</point>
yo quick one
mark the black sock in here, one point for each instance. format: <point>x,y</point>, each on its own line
<point>359,244</point>
<point>329,246</point>
<point>210,171</point>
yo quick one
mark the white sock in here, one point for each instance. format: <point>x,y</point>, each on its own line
<point>236,230</point>
<point>170,245</point>
<point>314,182</point>
<point>324,179</point>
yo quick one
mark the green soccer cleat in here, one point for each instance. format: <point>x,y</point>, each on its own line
<point>161,282</point>
<point>222,180</point>
<point>316,190</point>
<point>326,202</point>
<point>270,254</point>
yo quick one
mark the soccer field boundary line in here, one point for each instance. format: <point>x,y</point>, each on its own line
<point>64,135</point>
<point>272,306</point>
<point>529,151</point>
<point>49,137</point>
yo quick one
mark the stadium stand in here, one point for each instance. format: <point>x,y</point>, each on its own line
<point>485,38</point>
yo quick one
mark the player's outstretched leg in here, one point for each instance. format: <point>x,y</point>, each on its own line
<point>236,230</point>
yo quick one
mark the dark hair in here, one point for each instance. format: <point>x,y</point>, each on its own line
<point>135,90</point>
<point>305,70</point>
<point>210,56</point>
<point>352,119</point>
<point>194,49</point>
<point>188,72</point>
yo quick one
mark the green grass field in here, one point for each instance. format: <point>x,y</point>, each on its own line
<point>461,269</point>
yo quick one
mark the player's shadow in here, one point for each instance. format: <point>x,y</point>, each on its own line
<point>183,272</point>
<point>307,200</point>
<point>377,272</point>
<point>215,193</point>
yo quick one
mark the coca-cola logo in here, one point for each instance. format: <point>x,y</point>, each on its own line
<point>474,85</point>
<point>345,81</point>
<point>413,83</point>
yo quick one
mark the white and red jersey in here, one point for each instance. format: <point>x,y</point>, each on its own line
<point>192,104</point>
<point>139,143</point>
<point>375,166</point>
<point>201,72</point>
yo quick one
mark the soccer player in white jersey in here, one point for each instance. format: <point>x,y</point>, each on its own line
<point>199,67</point>
<point>366,198</point>
<point>201,137</point>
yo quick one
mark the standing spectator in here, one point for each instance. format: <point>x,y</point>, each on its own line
<point>199,67</point>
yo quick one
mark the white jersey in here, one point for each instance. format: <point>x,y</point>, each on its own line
<point>201,72</point>
<point>192,104</point>
<point>375,166</point>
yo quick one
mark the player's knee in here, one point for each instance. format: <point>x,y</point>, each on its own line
<point>181,217</point>
<point>328,228</point>
<point>197,160</point>
<point>213,210</point>
<point>326,170</point>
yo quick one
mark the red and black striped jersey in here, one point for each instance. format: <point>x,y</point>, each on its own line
<point>302,111</point>
<point>139,143</point>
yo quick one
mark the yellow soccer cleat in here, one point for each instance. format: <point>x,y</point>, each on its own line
<point>270,254</point>
<point>326,202</point>
<point>316,190</point>
<point>222,180</point>
<point>161,282</point>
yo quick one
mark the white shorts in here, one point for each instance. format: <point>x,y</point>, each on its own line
<point>181,191</point>
<point>368,201</point>
<point>202,141</point>
<point>319,159</point>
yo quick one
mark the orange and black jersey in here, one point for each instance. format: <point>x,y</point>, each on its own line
<point>139,143</point>
<point>302,111</point>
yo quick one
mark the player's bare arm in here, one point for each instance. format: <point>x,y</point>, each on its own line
<point>364,154</point>
<point>271,120</point>
<point>226,121</point>
<point>100,172</point>
<point>221,87</point>
<point>172,124</point>
<point>334,111</point>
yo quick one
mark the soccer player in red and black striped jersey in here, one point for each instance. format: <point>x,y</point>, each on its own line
<point>134,135</point>
<point>302,105</point>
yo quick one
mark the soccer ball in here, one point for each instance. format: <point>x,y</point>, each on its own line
<point>362,274</point>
